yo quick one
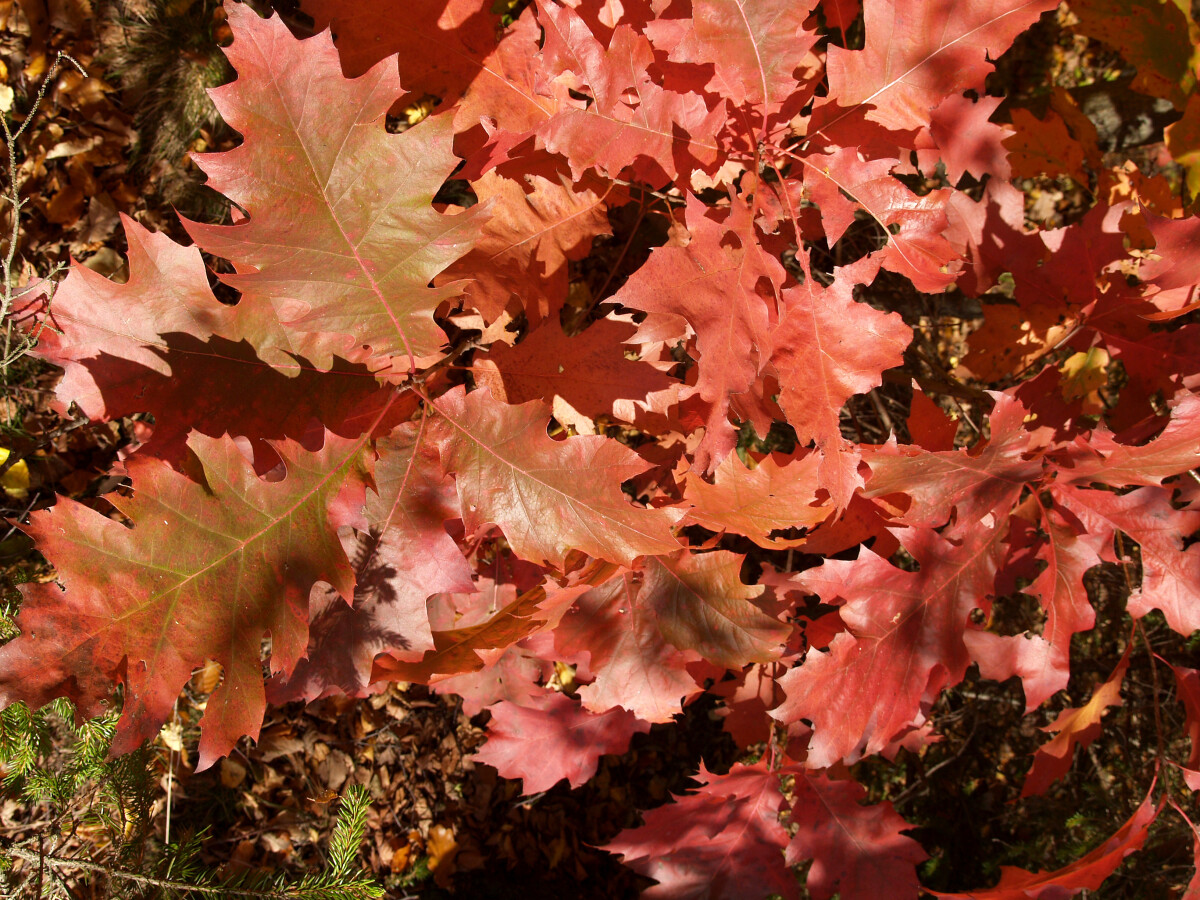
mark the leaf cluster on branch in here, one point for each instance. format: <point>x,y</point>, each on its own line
<point>424,446</point>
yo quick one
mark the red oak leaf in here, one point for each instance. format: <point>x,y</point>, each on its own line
<point>510,473</point>
<point>1187,686</point>
<point>140,347</point>
<point>928,423</point>
<point>1043,662</point>
<point>858,852</point>
<point>1174,451</point>
<point>453,509</point>
<point>1192,892</point>
<point>721,843</point>
<point>904,644</point>
<point>1044,147</point>
<point>1073,727</point>
<point>401,557</point>
<point>1170,575</point>
<point>841,14</point>
<point>582,377</point>
<point>356,273</point>
<point>776,494</point>
<point>1171,275</point>
<point>209,568</point>
<point>715,282</point>
<point>827,348</point>
<point>860,522</point>
<point>633,665</point>
<point>915,57</point>
<point>439,46</point>
<point>966,140</point>
<point>701,604</point>
<point>1086,873</point>
<point>550,738</point>
<point>985,480</point>
<point>916,247</point>
<point>747,699</point>
<point>514,677</point>
<point>755,48</point>
<point>658,132</point>
<point>463,649</point>
<point>526,244</point>
<point>508,93</point>
<point>167,293</point>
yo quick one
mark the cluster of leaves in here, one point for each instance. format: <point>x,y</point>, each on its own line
<point>420,448</point>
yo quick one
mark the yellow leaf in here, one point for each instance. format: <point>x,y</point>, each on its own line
<point>172,735</point>
<point>15,481</point>
<point>442,848</point>
<point>1084,372</point>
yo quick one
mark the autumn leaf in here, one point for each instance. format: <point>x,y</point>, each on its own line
<point>552,738</point>
<point>402,555</point>
<point>1086,873</point>
<point>1073,727</point>
<point>356,276</point>
<point>904,643</point>
<point>914,58</point>
<point>147,615</point>
<point>723,841</point>
<point>509,472</point>
<point>858,851</point>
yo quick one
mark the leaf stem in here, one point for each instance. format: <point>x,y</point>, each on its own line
<point>14,347</point>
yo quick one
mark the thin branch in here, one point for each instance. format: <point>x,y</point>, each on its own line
<point>89,866</point>
<point>612,270</point>
<point>16,347</point>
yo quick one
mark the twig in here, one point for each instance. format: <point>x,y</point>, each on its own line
<point>170,776</point>
<point>963,415</point>
<point>14,458</point>
<point>666,198</point>
<point>612,270</point>
<point>12,352</point>
<point>89,866</point>
<point>1139,629</point>
<point>883,413</point>
<point>13,527</point>
<point>924,779</point>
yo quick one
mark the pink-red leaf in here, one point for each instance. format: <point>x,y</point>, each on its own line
<point>1086,873</point>
<point>511,473</point>
<point>915,56</point>
<point>776,494</point>
<point>985,480</point>
<point>632,664</point>
<point>551,738</point>
<point>632,120</point>
<point>827,348</point>
<point>1170,575</point>
<point>401,556</point>
<point>724,842</point>
<point>582,377</point>
<point>858,852</point>
<point>723,283</point>
<point>755,47</point>
<point>904,644</point>
<point>701,604</point>
<point>439,46</point>
<point>1187,687</point>
<point>209,568</point>
<point>534,229</point>
<point>342,239</point>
